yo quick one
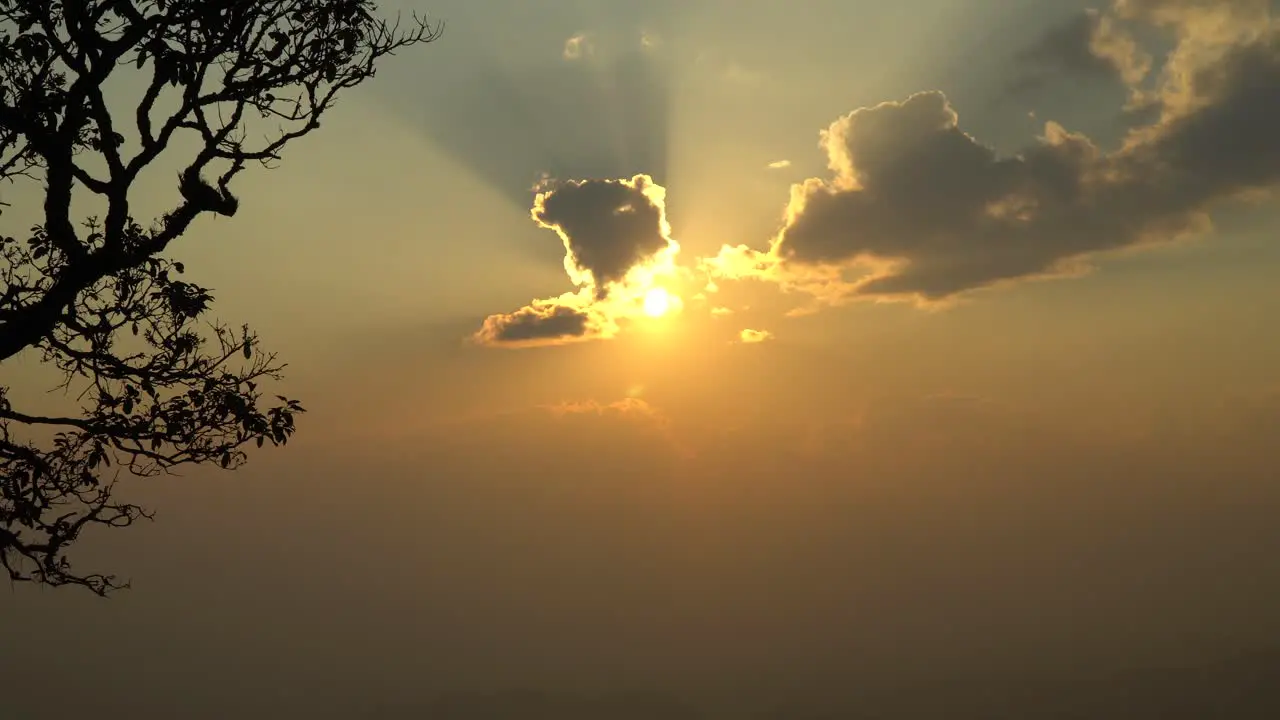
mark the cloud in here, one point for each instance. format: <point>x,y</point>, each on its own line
<point>1090,45</point>
<point>751,337</point>
<point>608,227</point>
<point>779,164</point>
<point>721,311</point>
<point>917,209</point>
<point>617,244</point>
<point>631,407</point>
<point>578,46</point>
<point>626,406</point>
<point>541,323</point>
<point>1212,19</point>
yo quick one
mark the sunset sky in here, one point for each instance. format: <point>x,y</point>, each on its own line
<point>732,351</point>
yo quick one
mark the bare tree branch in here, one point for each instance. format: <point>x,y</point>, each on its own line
<point>159,385</point>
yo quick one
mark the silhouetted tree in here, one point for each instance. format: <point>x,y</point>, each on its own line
<point>157,384</point>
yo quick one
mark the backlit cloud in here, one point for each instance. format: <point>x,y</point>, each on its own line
<point>618,247</point>
<point>917,209</point>
<point>544,322</point>
<point>754,336</point>
<point>608,227</point>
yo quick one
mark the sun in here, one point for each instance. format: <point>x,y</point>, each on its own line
<point>658,302</point>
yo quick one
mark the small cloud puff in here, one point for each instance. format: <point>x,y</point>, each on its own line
<point>578,47</point>
<point>751,337</point>
<point>779,164</point>
<point>543,322</point>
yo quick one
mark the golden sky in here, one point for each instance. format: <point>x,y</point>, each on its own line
<point>728,351</point>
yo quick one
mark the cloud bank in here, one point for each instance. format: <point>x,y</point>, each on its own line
<point>916,209</point>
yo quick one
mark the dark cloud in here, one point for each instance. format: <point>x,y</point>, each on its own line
<point>1232,143</point>
<point>609,228</point>
<point>913,188</point>
<point>927,211</point>
<point>539,323</point>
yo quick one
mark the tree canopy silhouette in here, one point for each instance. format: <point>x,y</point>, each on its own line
<point>157,384</point>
